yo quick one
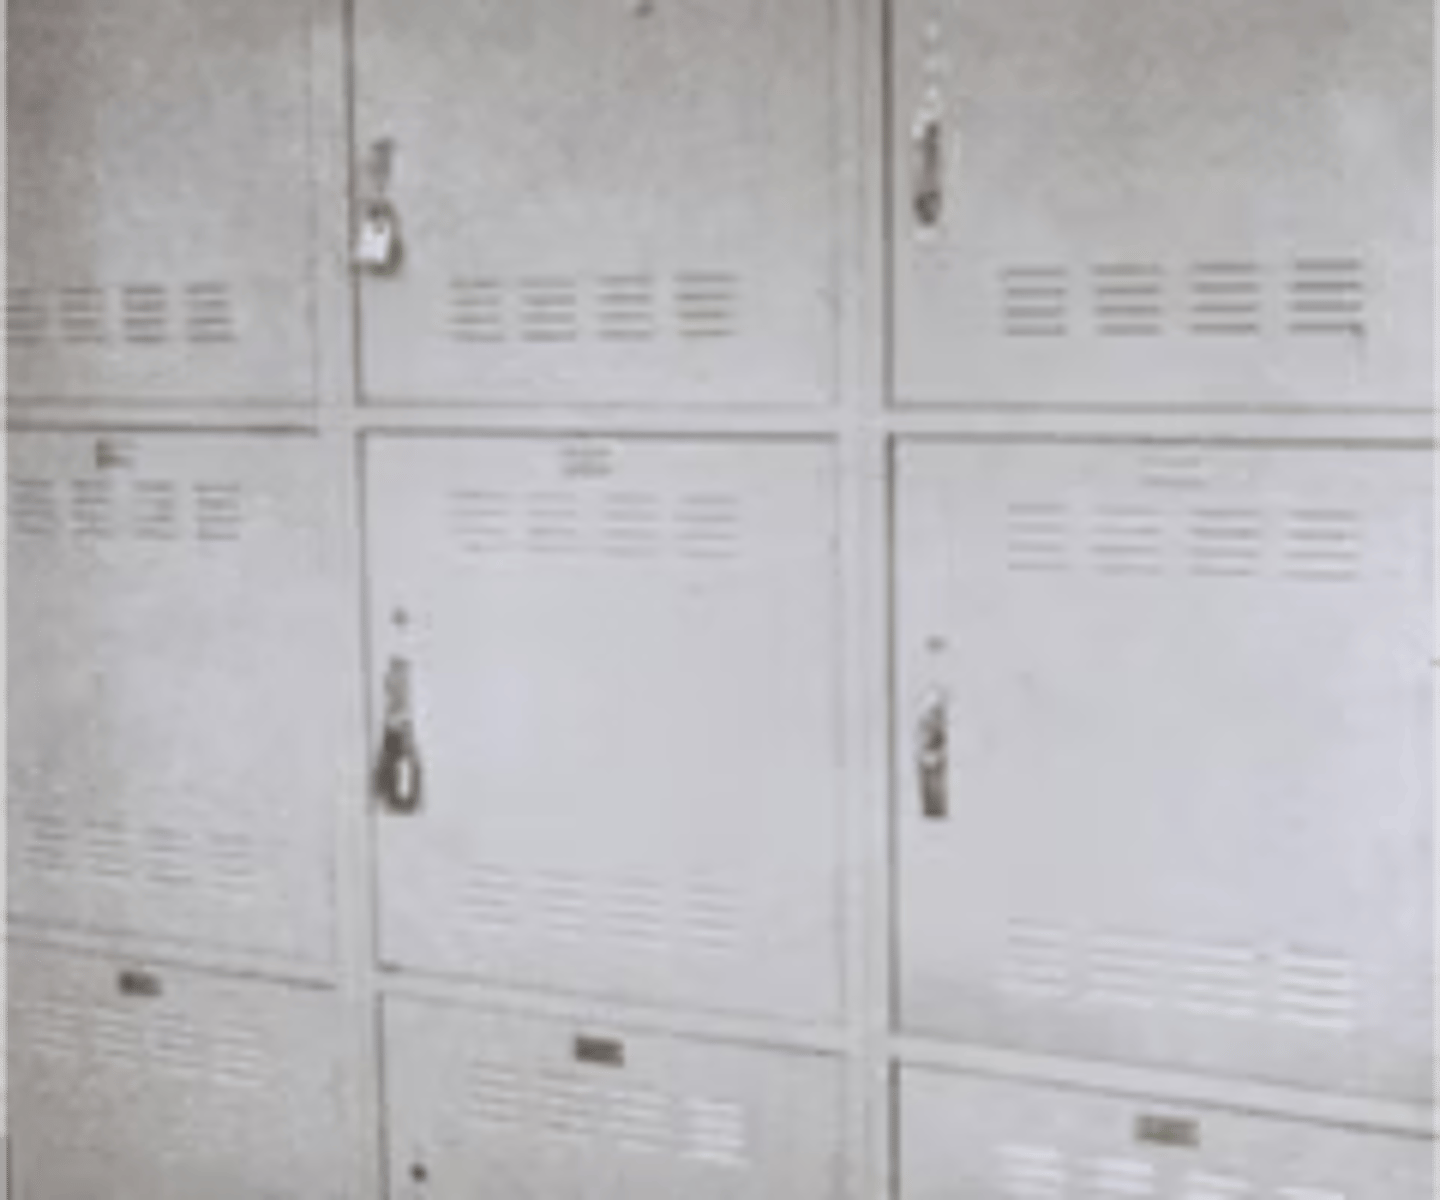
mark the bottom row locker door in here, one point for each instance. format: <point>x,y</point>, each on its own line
<point>604,676</point>
<point>966,1138</point>
<point>128,1083</point>
<point>535,1109</point>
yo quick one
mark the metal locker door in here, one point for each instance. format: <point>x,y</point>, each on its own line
<point>131,1084</point>
<point>1164,757</point>
<point>160,209</point>
<point>629,201</point>
<point>1182,203</point>
<point>965,1138</point>
<point>537,1109</point>
<point>175,689</point>
<point>608,666</point>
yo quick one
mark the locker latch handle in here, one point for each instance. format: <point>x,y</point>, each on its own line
<point>397,771</point>
<point>932,756</point>
<point>929,158</point>
<point>378,247</point>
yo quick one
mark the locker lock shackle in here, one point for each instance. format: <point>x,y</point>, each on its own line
<point>397,770</point>
<point>932,755</point>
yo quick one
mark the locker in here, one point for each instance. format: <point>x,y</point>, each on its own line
<point>535,1108</point>
<point>604,714</point>
<point>176,704</point>
<point>630,201</point>
<point>966,1138</point>
<point>1164,756</point>
<point>160,211</point>
<point>137,1085</point>
<point>1207,205</point>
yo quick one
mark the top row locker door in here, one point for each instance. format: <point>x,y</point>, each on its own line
<point>1208,204</point>
<point>595,200</point>
<point>160,201</point>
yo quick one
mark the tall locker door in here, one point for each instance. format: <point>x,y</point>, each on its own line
<point>608,667</point>
<point>507,1106</point>
<point>159,200</point>
<point>175,707</point>
<point>983,1139</point>
<point>1197,203</point>
<point>1164,756</point>
<point>630,200</point>
<point>135,1085</point>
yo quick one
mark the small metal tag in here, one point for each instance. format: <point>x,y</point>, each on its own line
<point>588,458</point>
<point>113,454</point>
<point>1167,1131</point>
<point>600,1052</point>
<point>134,982</point>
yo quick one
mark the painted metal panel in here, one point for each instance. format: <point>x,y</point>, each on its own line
<point>988,1139</point>
<point>1164,756</point>
<point>621,695</point>
<point>1220,204</point>
<point>161,238</point>
<point>135,1084</point>
<point>176,710</point>
<point>625,201</point>
<point>529,1107</point>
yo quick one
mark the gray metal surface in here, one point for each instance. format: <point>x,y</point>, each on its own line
<point>1173,204</point>
<point>621,201</point>
<point>160,216</point>
<point>1188,763</point>
<point>620,669</point>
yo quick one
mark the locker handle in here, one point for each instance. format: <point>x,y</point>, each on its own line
<point>929,165</point>
<point>932,756</point>
<point>398,774</point>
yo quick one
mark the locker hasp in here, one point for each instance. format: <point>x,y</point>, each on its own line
<point>134,982</point>
<point>929,194</point>
<point>932,756</point>
<point>599,1051</point>
<point>378,247</point>
<point>1158,1130</point>
<point>397,772</point>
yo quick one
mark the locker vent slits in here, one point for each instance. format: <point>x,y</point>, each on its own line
<point>641,916</point>
<point>1208,541</point>
<point>1046,962</point>
<point>139,315</point>
<point>147,510</point>
<point>110,851</point>
<point>141,1040</point>
<point>27,317</point>
<point>1214,301</point>
<point>618,309</point>
<point>144,314</point>
<point>570,1110</point>
<point>597,524</point>
<point>82,316</point>
<point>1026,1171</point>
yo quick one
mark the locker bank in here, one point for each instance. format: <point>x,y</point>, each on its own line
<point>757,600</point>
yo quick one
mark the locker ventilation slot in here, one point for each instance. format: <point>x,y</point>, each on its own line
<point>209,314</point>
<point>147,510</point>
<point>596,524</point>
<point>617,309</point>
<point>147,313</point>
<point>1047,962</point>
<point>1210,301</point>
<point>144,314</point>
<point>82,315</point>
<point>549,310</point>
<point>224,865</point>
<point>1128,300</point>
<point>1035,302</point>
<point>637,915</point>
<point>562,1108</point>
<point>1203,541</point>
<point>143,1041</point>
<point>1033,1172</point>
<point>27,318</point>
<point>1327,296</point>
<point>1226,299</point>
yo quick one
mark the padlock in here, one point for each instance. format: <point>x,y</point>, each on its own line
<point>377,245</point>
